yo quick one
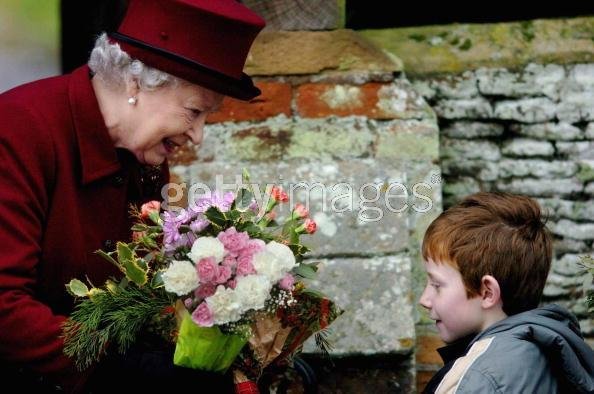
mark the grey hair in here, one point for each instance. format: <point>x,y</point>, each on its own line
<point>114,66</point>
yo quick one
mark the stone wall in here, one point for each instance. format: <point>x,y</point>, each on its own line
<point>515,108</point>
<point>529,131</point>
<point>337,124</point>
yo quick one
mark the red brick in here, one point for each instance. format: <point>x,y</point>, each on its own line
<point>183,156</point>
<point>427,349</point>
<point>321,99</point>
<point>274,100</point>
<point>423,377</point>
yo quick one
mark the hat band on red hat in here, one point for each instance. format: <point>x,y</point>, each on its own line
<point>202,75</point>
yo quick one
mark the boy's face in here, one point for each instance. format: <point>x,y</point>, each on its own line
<point>445,297</point>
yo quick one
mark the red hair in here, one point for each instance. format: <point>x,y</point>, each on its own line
<point>498,234</point>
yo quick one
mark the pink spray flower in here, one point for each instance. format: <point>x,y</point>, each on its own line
<point>278,194</point>
<point>308,226</point>
<point>149,208</point>
<point>300,211</point>
<point>287,282</point>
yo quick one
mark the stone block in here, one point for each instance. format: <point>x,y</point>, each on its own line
<point>542,187</point>
<point>375,293</point>
<point>527,147</point>
<point>526,110</point>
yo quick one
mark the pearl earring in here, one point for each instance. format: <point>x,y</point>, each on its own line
<point>132,101</point>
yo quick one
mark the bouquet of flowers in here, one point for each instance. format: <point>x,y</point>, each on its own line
<point>220,280</point>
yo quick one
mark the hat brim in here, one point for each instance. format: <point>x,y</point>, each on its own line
<point>187,69</point>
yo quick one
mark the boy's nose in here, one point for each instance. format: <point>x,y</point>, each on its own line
<point>424,300</point>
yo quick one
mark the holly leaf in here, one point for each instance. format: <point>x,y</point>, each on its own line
<point>77,288</point>
<point>130,264</point>
<point>215,216</point>
<point>307,271</point>
<point>108,257</point>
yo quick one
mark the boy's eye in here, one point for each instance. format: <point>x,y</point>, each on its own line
<point>434,285</point>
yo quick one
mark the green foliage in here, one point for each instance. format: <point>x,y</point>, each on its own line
<point>307,271</point>
<point>135,269</point>
<point>117,318</point>
<point>76,288</point>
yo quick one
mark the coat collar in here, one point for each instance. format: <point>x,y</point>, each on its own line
<point>456,349</point>
<point>98,156</point>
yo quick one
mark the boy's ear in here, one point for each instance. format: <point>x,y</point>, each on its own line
<point>490,292</point>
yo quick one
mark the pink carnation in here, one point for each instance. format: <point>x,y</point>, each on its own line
<point>252,247</point>
<point>224,274</point>
<point>232,284</point>
<point>208,270</point>
<point>245,266</point>
<point>229,261</point>
<point>203,316</point>
<point>205,290</point>
<point>233,241</point>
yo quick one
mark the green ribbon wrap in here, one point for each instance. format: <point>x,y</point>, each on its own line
<point>205,348</point>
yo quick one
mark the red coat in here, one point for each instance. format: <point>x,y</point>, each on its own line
<point>64,193</point>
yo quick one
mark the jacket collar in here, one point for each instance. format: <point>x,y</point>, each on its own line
<point>98,156</point>
<point>456,349</point>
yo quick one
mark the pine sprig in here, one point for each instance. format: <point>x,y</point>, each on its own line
<point>114,319</point>
<point>323,343</point>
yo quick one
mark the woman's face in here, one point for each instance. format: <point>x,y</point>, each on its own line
<point>166,118</point>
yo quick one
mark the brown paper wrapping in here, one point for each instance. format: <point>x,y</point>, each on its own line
<point>239,377</point>
<point>268,338</point>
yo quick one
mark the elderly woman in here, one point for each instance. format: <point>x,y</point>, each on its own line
<point>76,150</point>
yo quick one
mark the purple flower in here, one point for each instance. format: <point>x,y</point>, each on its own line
<point>199,224</point>
<point>222,202</point>
<point>171,225</point>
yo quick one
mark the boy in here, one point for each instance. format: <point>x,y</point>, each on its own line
<point>487,260</point>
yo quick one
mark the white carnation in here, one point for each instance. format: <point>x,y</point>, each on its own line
<point>267,264</point>
<point>283,253</point>
<point>274,261</point>
<point>207,247</point>
<point>180,277</point>
<point>225,305</point>
<point>253,291</point>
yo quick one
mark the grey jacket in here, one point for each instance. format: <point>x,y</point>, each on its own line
<point>538,351</point>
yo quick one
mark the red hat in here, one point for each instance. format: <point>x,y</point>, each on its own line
<point>205,42</point>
